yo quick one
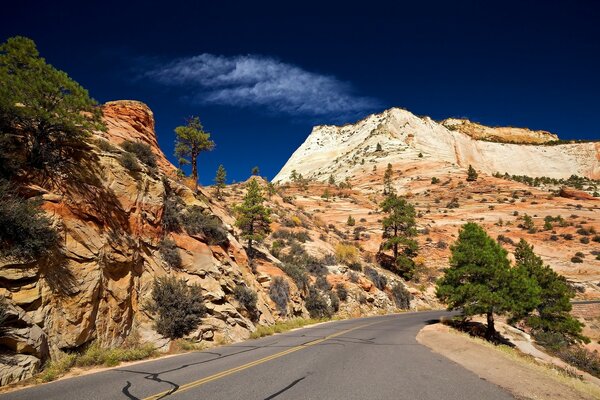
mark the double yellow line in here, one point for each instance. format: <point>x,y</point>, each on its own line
<point>223,374</point>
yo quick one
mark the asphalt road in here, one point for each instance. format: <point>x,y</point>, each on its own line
<point>366,358</point>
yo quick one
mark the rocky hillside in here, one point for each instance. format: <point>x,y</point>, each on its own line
<point>111,218</point>
<point>396,136</point>
<point>499,134</point>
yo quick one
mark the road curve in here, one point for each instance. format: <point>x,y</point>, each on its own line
<point>364,358</point>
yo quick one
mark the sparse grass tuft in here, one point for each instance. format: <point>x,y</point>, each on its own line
<point>284,326</point>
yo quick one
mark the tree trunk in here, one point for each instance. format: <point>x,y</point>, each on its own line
<point>395,244</point>
<point>491,331</point>
<point>195,170</point>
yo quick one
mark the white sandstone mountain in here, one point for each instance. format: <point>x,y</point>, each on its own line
<point>351,150</point>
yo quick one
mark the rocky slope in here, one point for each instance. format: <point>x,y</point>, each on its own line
<point>351,150</point>
<point>499,134</point>
<point>111,219</point>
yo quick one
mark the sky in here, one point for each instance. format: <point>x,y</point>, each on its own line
<point>261,74</point>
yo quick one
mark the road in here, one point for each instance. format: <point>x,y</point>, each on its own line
<point>365,358</point>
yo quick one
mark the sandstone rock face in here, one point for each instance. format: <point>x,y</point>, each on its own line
<point>499,134</point>
<point>344,150</point>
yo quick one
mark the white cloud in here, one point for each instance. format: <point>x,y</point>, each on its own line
<point>261,81</point>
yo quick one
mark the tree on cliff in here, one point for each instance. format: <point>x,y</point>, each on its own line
<point>552,317</point>
<point>44,114</point>
<point>399,228</point>
<point>253,218</point>
<point>480,279</point>
<point>190,142</point>
<point>255,171</point>
<point>471,174</point>
<point>220,180</point>
<point>388,187</point>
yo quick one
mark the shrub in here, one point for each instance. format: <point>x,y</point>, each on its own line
<point>298,274</point>
<point>576,260</point>
<point>355,266</point>
<point>341,291</point>
<point>172,208</point>
<point>279,292</point>
<point>351,221</point>
<point>25,231</point>
<point>582,358</point>
<point>317,305</point>
<point>435,181</point>
<point>142,151</point>
<point>329,259</point>
<point>453,203</point>
<point>346,253</point>
<point>170,253</point>
<point>441,245</point>
<point>247,299</point>
<point>401,296</point>
<point>378,280</point>
<point>130,162</point>
<point>334,301</point>
<point>584,240</point>
<point>505,239</point>
<point>196,222</point>
<point>323,284</point>
<point>596,238</point>
<point>105,145</point>
<point>180,307</point>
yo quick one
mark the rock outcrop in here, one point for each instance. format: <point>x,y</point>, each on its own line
<point>499,134</point>
<point>401,136</point>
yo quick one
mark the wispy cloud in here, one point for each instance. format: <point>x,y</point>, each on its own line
<point>262,81</point>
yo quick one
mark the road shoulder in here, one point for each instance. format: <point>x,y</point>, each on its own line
<point>523,377</point>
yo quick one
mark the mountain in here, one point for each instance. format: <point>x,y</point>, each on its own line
<point>110,217</point>
<point>350,150</point>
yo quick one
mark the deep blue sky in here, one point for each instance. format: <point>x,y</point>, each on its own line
<point>521,63</point>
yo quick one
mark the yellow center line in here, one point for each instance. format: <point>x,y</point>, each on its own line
<point>225,373</point>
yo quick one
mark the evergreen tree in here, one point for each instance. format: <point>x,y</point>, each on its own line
<point>253,218</point>
<point>351,221</point>
<point>255,171</point>
<point>378,148</point>
<point>399,228</point>
<point>481,281</point>
<point>220,180</point>
<point>331,180</point>
<point>191,141</point>
<point>271,190</point>
<point>471,174</point>
<point>553,310</point>
<point>388,187</point>
<point>44,114</point>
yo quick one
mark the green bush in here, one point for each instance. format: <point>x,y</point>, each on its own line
<point>334,301</point>
<point>170,253</point>
<point>247,299</point>
<point>142,151</point>
<point>279,292</point>
<point>180,307</point>
<point>378,280</point>
<point>172,208</point>
<point>195,222</point>
<point>317,305</point>
<point>298,274</point>
<point>341,291</point>
<point>323,284</point>
<point>25,232</point>
<point>582,358</point>
<point>401,296</point>
<point>130,162</point>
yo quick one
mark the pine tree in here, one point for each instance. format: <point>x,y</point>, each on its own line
<point>331,180</point>
<point>481,281</point>
<point>471,174</point>
<point>388,187</point>
<point>255,171</point>
<point>253,218</point>
<point>378,148</point>
<point>399,227</point>
<point>191,141</point>
<point>553,310</point>
<point>220,179</point>
<point>351,221</point>
<point>44,114</point>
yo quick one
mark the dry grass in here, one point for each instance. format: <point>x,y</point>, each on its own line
<point>284,326</point>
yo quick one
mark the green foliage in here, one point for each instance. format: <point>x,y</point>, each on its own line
<point>172,210</point>
<point>388,187</point>
<point>341,291</point>
<point>435,181</point>
<point>378,280</point>
<point>180,307</point>
<point>44,114</point>
<point>129,162</point>
<point>26,233</point>
<point>527,224</point>
<point>582,358</point>
<point>481,281</point>
<point>351,221</point>
<point>195,222</point>
<point>297,273</point>
<point>471,174</point>
<point>331,180</point>
<point>553,309</point>
<point>399,227</point>
<point>247,299</point>
<point>253,218</point>
<point>317,305</point>
<point>279,292</point>
<point>220,179</point>
<point>142,151</point>
<point>401,296</point>
<point>170,253</point>
<point>378,148</point>
<point>255,171</point>
<point>191,141</point>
